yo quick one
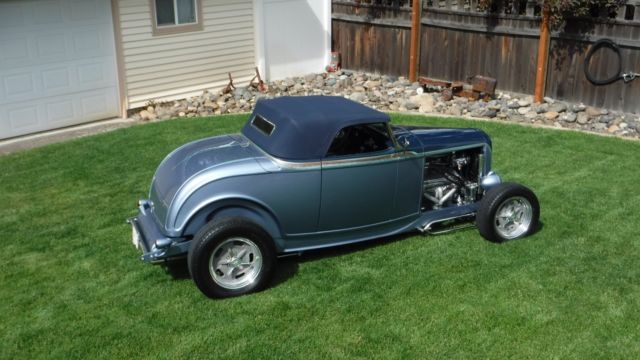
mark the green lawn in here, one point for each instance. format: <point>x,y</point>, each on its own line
<point>72,284</point>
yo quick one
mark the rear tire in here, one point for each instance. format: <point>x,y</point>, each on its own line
<point>508,211</point>
<point>231,257</point>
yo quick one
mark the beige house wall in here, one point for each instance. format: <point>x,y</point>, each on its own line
<point>176,66</point>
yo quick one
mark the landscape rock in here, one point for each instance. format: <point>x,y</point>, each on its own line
<point>524,110</point>
<point>583,118</point>
<point>524,102</point>
<point>558,107</point>
<point>569,117</point>
<point>357,96</point>
<point>389,93</point>
<point>593,112</point>
<point>551,115</point>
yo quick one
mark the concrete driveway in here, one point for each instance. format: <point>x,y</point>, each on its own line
<point>49,137</point>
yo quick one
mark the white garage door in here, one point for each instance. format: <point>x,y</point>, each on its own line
<point>57,64</point>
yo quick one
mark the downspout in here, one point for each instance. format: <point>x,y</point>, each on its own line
<point>543,54</point>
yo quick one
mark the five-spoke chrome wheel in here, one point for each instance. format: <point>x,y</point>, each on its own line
<point>508,211</point>
<point>235,263</point>
<point>513,217</point>
<point>231,256</point>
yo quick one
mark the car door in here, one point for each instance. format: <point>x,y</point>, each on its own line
<point>359,175</point>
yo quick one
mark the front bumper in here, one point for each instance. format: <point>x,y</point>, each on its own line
<point>148,238</point>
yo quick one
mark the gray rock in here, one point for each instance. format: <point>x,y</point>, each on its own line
<point>569,117</point>
<point>540,108</point>
<point>600,126</point>
<point>423,100</point>
<point>410,105</point>
<point>558,107</point>
<point>606,119</point>
<point>513,105</point>
<point>454,110</point>
<point>370,84</point>
<point>490,113</point>
<point>548,100</point>
<point>358,96</point>
<point>578,107</point>
<point>583,118</point>
<point>479,105</point>
<point>524,110</point>
<point>524,102</point>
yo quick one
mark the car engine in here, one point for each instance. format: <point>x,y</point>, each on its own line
<point>452,179</point>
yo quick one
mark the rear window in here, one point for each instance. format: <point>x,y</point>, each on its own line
<point>265,126</point>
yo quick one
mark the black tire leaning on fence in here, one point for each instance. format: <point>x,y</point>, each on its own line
<point>587,59</point>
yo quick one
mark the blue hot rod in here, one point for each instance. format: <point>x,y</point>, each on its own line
<point>314,172</point>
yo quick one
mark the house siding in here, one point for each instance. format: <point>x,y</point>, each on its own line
<point>169,67</point>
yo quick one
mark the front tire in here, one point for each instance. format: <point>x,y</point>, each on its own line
<point>231,257</point>
<point>507,212</point>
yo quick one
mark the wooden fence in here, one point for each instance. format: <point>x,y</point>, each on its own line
<point>457,42</point>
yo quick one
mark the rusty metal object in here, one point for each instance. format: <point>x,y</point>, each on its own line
<point>484,84</point>
<point>230,87</point>
<point>447,94</point>
<point>431,82</point>
<point>481,87</point>
<point>473,95</point>
<point>259,84</point>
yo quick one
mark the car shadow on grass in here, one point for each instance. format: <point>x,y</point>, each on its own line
<point>288,266</point>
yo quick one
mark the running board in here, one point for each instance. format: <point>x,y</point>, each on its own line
<point>441,226</point>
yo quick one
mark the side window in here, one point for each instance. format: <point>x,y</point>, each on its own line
<point>175,16</point>
<point>361,139</point>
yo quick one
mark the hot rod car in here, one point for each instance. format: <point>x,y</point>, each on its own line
<point>314,172</point>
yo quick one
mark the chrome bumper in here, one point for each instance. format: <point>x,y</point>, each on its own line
<point>147,237</point>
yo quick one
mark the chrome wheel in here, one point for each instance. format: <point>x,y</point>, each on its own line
<point>235,263</point>
<point>513,217</point>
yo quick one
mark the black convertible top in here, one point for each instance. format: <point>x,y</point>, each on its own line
<point>302,128</point>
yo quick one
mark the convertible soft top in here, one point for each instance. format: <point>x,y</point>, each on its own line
<point>302,128</point>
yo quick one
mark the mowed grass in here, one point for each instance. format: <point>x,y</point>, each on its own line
<point>72,285</point>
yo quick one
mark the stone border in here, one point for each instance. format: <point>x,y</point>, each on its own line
<point>397,94</point>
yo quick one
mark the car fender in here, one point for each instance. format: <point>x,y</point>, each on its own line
<point>236,207</point>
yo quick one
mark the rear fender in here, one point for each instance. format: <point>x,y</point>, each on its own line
<point>236,208</point>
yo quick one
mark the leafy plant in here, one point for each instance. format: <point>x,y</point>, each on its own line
<point>561,10</point>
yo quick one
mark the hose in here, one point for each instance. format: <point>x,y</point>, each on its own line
<point>587,59</point>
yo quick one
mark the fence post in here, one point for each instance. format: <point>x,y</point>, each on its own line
<point>543,55</point>
<point>416,16</point>
<point>636,14</point>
